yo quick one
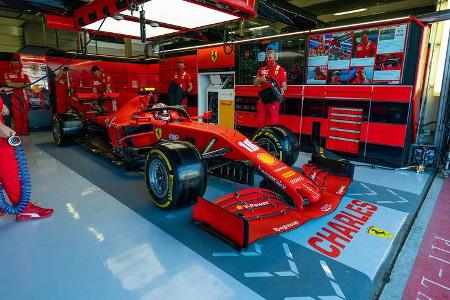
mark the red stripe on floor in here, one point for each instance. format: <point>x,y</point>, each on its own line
<point>430,276</point>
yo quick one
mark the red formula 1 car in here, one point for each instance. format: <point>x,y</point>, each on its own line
<point>179,152</point>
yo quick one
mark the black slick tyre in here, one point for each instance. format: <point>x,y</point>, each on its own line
<point>175,174</point>
<point>66,127</point>
<point>278,141</point>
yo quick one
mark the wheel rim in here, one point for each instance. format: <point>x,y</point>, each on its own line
<point>269,146</point>
<point>158,178</point>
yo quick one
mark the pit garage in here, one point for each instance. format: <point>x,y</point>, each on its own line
<point>191,149</point>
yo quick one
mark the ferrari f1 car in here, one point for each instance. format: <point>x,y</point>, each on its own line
<point>179,151</point>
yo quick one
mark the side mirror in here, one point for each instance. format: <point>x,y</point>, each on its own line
<point>207,116</point>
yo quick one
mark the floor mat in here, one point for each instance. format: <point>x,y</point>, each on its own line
<point>278,267</point>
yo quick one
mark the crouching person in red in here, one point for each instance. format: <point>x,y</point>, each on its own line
<point>9,174</point>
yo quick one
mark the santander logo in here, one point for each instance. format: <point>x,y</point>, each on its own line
<point>286,226</point>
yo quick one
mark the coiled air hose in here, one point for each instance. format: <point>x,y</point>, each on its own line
<point>25,181</point>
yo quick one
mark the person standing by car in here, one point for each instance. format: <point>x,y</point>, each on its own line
<point>184,80</point>
<point>9,173</point>
<point>18,80</point>
<point>63,90</point>
<point>268,114</point>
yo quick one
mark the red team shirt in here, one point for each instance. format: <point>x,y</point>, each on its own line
<point>20,78</point>
<point>368,50</point>
<point>17,77</point>
<point>275,72</point>
<point>182,79</point>
<point>63,79</point>
<point>100,82</point>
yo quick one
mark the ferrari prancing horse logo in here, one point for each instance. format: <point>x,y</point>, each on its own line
<point>214,56</point>
<point>380,232</point>
<point>158,133</point>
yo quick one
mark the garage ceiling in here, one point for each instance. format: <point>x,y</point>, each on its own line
<point>48,6</point>
<point>326,11</point>
<point>323,9</point>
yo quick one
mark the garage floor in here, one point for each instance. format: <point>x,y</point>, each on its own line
<point>107,241</point>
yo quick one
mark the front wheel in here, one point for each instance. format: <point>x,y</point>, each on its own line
<point>278,141</point>
<point>175,174</point>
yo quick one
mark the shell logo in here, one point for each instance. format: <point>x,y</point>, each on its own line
<point>239,207</point>
<point>267,159</point>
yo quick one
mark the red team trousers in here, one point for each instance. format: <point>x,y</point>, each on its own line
<point>20,117</point>
<point>9,172</point>
<point>268,114</point>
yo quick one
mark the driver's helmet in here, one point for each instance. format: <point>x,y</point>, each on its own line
<point>162,114</point>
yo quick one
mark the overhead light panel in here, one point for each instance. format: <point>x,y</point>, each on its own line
<point>130,28</point>
<point>350,12</point>
<point>259,27</point>
<point>183,14</point>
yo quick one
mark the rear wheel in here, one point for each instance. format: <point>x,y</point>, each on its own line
<point>175,174</point>
<point>278,141</point>
<point>66,127</point>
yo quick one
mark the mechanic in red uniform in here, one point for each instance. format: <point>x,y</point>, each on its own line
<point>63,91</point>
<point>319,74</point>
<point>366,48</point>
<point>360,77</point>
<point>17,79</point>
<point>9,174</point>
<point>184,79</point>
<point>268,113</point>
<point>101,83</point>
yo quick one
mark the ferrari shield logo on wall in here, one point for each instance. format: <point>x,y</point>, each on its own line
<point>379,232</point>
<point>213,55</point>
<point>158,133</point>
